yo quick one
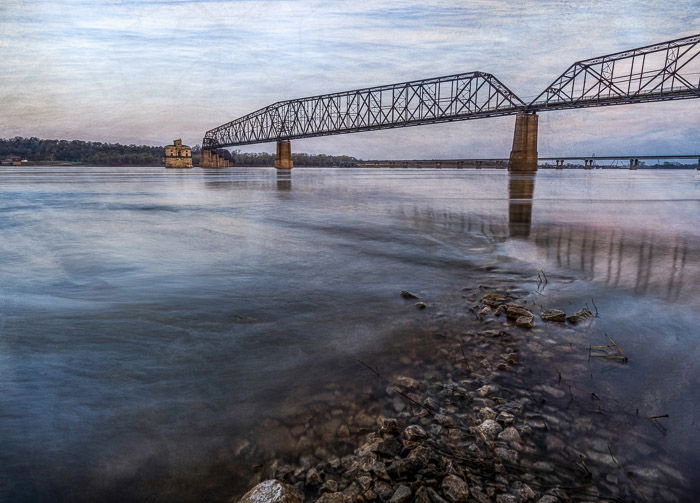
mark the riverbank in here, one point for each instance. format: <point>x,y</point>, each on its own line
<point>473,407</point>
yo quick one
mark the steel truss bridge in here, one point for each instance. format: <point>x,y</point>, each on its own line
<point>660,72</point>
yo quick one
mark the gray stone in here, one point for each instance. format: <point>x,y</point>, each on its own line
<point>414,433</point>
<point>580,315</point>
<point>515,312</point>
<point>401,495</point>
<point>272,491</point>
<point>335,497</point>
<point>455,489</point>
<point>487,389</point>
<point>553,315</point>
<point>525,321</point>
<point>489,429</point>
<point>510,434</point>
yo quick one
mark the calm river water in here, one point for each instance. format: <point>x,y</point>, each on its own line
<point>147,316</point>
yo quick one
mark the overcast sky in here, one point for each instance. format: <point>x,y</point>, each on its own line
<point>150,71</point>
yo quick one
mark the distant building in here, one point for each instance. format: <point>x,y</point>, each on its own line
<point>12,161</point>
<point>178,155</point>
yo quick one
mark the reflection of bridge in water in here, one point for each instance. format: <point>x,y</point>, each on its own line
<point>641,262</point>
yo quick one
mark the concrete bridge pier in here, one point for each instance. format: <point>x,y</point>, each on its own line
<point>588,164</point>
<point>523,157</point>
<point>559,164</point>
<point>634,163</point>
<point>698,168</point>
<point>284,155</point>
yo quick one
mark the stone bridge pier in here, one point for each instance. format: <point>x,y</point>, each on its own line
<point>284,155</point>
<point>523,156</point>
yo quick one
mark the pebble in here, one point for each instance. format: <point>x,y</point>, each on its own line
<point>455,489</point>
<point>490,429</point>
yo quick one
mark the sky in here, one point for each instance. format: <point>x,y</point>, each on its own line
<point>149,71</point>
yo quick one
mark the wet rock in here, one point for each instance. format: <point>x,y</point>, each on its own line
<point>408,295</point>
<point>526,493</point>
<point>525,322</point>
<point>421,305</point>
<point>336,497</point>
<point>489,429</point>
<point>329,486</point>
<point>487,413</point>
<point>504,417</point>
<point>548,498</point>
<point>313,478</point>
<point>383,490</point>
<point>272,491</point>
<point>414,433</point>
<point>455,489</point>
<point>510,434</point>
<point>506,498</point>
<point>579,316</point>
<point>407,382</point>
<point>388,426</point>
<point>508,455</point>
<point>484,311</point>
<point>553,315</point>
<point>401,495</point>
<point>495,299</point>
<point>515,312</point>
<point>427,495</point>
<point>487,389</point>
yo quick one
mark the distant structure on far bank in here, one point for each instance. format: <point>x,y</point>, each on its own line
<point>178,155</point>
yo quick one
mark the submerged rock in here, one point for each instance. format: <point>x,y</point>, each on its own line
<point>553,315</point>
<point>421,305</point>
<point>525,322</point>
<point>580,315</point>
<point>408,295</point>
<point>272,491</point>
<point>414,432</point>
<point>489,429</point>
<point>401,495</point>
<point>515,312</point>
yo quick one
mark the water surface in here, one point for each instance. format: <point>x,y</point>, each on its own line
<point>148,316</point>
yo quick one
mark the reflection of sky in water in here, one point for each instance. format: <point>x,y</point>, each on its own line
<point>140,310</point>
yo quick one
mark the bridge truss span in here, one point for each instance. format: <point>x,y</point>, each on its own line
<point>456,97</point>
<point>665,71</point>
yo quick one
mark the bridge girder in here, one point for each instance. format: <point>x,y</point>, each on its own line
<point>666,71</point>
<point>462,96</point>
<point>659,72</point>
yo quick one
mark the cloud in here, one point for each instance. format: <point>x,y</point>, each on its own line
<point>150,71</point>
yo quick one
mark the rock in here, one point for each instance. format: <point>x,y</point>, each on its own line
<point>579,316</point>
<point>508,455</point>
<point>484,311</point>
<point>272,491</point>
<point>506,498</point>
<point>489,429</point>
<point>313,478</point>
<point>428,495</point>
<point>548,498</point>
<point>407,382</point>
<point>401,495</point>
<point>336,497</point>
<point>421,305</point>
<point>455,489</point>
<point>408,295</point>
<point>487,389</point>
<point>414,433</point>
<point>526,493</point>
<point>329,486</point>
<point>515,312</point>
<point>388,426</point>
<point>504,418</point>
<point>495,299</point>
<point>383,490</point>
<point>510,434</point>
<point>525,322</point>
<point>487,413</point>
<point>553,315</point>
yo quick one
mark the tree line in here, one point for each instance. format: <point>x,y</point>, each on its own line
<point>36,150</point>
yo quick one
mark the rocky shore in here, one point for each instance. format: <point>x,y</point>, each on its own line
<point>490,407</point>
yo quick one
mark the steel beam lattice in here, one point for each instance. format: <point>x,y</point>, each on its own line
<point>442,99</point>
<point>666,71</point>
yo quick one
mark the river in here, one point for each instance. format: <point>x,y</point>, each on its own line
<point>148,317</point>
